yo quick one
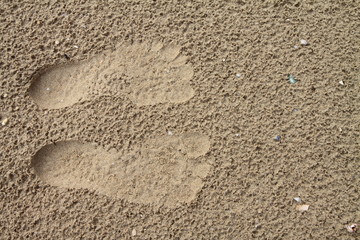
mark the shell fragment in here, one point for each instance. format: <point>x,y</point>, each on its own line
<point>302,208</point>
<point>4,121</point>
<point>304,42</point>
<point>351,228</point>
<point>292,79</point>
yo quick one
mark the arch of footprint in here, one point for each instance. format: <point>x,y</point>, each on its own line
<point>164,170</point>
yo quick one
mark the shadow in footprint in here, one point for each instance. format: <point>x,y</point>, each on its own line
<point>148,73</point>
<point>165,170</point>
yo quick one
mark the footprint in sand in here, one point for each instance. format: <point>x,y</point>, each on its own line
<point>165,170</point>
<point>148,73</point>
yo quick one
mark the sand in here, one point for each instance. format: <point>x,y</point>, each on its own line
<point>176,120</point>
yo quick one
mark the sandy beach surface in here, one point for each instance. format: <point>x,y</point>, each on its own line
<point>179,119</point>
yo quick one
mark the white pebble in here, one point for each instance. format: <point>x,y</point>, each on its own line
<point>341,82</point>
<point>223,60</point>
<point>5,95</point>
<point>297,199</point>
<point>238,75</point>
<point>133,232</point>
<point>75,46</point>
<point>170,133</point>
<point>47,89</point>
<point>304,42</point>
<point>296,46</point>
<point>237,134</point>
<point>57,42</point>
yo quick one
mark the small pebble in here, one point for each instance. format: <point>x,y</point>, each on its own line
<point>5,95</point>
<point>277,138</point>
<point>341,82</point>
<point>223,60</point>
<point>296,46</point>
<point>237,134</point>
<point>170,133</point>
<point>47,89</point>
<point>303,42</point>
<point>238,75</point>
<point>133,232</point>
<point>57,42</point>
<point>297,199</point>
<point>75,46</point>
<point>4,121</point>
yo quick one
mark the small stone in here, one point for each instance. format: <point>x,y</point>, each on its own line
<point>341,82</point>
<point>297,199</point>
<point>296,46</point>
<point>223,60</point>
<point>238,75</point>
<point>75,46</point>
<point>5,95</point>
<point>237,134</point>
<point>304,42</point>
<point>302,208</point>
<point>4,121</point>
<point>277,138</point>
<point>170,133</point>
<point>133,232</point>
<point>47,89</point>
<point>57,42</point>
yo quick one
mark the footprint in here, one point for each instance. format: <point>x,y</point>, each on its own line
<point>148,73</point>
<point>165,170</point>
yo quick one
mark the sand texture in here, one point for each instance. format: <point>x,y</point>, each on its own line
<point>177,119</point>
